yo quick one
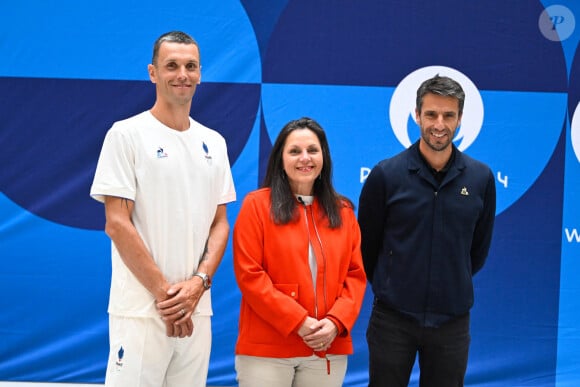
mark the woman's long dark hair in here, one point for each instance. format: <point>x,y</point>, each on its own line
<point>284,202</point>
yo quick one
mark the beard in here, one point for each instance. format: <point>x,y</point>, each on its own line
<point>438,144</point>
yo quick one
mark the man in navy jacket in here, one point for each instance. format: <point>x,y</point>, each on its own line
<point>426,217</point>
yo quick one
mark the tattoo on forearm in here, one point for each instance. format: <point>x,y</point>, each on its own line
<point>125,202</point>
<point>204,256</point>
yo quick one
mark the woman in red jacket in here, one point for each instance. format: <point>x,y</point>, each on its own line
<point>298,265</point>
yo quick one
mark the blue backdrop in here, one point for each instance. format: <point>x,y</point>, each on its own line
<point>69,69</point>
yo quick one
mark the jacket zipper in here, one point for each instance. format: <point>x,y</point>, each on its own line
<point>323,259</point>
<point>306,210</point>
<point>310,243</point>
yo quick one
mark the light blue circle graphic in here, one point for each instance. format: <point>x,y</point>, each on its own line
<point>402,106</point>
<point>575,132</point>
<point>360,135</point>
<point>81,40</point>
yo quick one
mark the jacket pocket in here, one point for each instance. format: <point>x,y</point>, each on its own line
<point>290,290</point>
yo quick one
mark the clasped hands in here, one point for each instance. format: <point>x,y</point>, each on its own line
<point>318,334</point>
<point>178,306</point>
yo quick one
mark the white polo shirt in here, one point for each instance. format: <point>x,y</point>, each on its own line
<point>176,180</point>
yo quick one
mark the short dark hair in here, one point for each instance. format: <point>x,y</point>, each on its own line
<point>284,203</point>
<point>172,36</point>
<point>444,86</point>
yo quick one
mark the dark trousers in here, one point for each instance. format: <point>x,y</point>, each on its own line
<point>394,341</point>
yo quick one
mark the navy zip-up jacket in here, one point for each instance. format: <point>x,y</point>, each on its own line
<point>422,241</point>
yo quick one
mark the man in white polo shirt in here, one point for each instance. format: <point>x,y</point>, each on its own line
<point>165,180</point>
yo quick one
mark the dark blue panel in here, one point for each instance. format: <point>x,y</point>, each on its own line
<point>574,89</point>
<point>52,131</point>
<point>263,16</point>
<point>495,43</point>
<point>265,147</point>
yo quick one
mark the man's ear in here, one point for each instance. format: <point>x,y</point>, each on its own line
<point>151,71</point>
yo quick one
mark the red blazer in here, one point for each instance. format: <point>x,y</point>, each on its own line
<point>273,274</point>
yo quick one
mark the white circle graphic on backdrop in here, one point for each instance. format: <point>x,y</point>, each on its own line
<point>557,23</point>
<point>403,102</point>
<point>575,131</point>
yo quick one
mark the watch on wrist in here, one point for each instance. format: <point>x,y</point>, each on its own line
<point>205,278</point>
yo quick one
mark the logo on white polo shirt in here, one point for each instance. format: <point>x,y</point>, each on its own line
<point>206,151</point>
<point>160,153</point>
<point>120,355</point>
